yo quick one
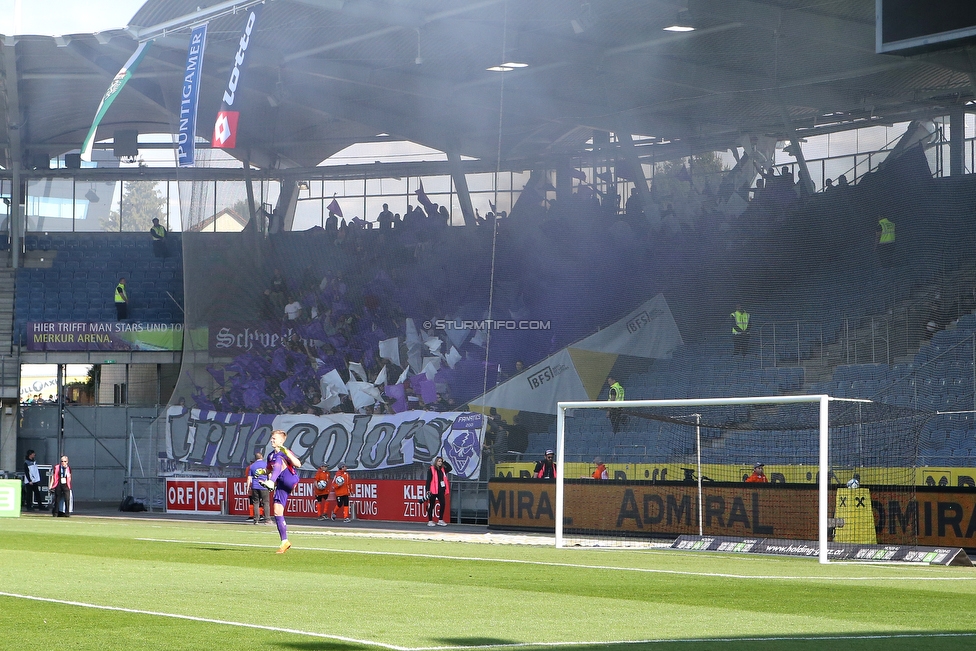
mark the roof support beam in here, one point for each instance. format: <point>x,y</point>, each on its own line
<point>790,24</point>
<point>630,155</point>
<point>460,185</point>
<point>15,121</point>
<point>192,20</point>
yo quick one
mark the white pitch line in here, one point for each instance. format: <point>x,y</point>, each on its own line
<point>700,640</point>
<point>206,620</point>
<point>570,565</point>
<point>510,645</point>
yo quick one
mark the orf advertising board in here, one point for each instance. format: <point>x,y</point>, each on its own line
<point>195,495</point>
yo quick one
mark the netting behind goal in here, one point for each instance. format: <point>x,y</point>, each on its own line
<point>683,467</point>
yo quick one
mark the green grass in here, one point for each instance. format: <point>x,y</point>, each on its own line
<point>188,585</point>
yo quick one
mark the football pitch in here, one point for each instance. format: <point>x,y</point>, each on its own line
<point>145,584</point>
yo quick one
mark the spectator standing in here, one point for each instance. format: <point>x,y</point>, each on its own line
<point>342,484</point>
<point>260,497</point>
<point>60,486</point>
<point>758,475</point>
<point>635,206</point>
<point>332,223</point>
<point>32,481</point>
<point>158,233</point>
<point>121,301</point>
<point>385,219</point>
<point>438,488</point>
<point>546,468</point>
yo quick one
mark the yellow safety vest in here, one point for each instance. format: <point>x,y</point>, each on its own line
<point>887,231</point>
<point>120,296</point>
<point>616,391</point>
<point>741,320</point>
<point>158,232</point>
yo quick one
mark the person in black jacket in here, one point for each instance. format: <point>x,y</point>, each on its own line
<point>438,487</point>
<point>32,481</point>
<point>546,468</point>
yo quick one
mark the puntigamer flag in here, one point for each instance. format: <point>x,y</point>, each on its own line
<point>190,95</point>
<point>225,127</point>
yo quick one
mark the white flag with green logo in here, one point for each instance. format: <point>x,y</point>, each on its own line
<point>113,91</point>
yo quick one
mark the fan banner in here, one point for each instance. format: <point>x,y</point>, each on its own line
<point>649,331</point>
<point>231,338</point>
<point>225,126</point>
<point>103,335</point>
<point>197,437</point>
<point>579,371</point>
<point>190,95</point>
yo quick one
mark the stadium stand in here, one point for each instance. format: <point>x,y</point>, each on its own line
<point>64,291</point>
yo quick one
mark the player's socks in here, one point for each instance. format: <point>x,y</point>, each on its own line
<point>282,528</point>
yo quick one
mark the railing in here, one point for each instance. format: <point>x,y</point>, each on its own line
<point>784,343</point>
<point>469,502</point>
<point>866,340</point>
<point>151,491</point>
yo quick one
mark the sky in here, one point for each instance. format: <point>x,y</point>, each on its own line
<point>57,17</point>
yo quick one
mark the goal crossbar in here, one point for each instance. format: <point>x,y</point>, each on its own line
<point>823,480</point>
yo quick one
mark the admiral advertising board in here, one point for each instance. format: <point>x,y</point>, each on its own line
<point>933,516</point>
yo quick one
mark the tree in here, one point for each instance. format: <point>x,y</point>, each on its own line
<point>671,177</point>
<point>141,202</point>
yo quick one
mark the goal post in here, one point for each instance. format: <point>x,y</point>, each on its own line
<point>815,418</point>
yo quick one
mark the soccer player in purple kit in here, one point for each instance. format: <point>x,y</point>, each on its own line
<point>282,478</point>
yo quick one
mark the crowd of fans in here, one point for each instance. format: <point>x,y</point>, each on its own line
<point>547,258</point>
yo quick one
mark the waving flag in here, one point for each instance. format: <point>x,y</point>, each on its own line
<point>334,208</point>
<point>424,199</point>
<point>123,76</point>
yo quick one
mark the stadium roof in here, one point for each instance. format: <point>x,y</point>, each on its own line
<point>324,74</point>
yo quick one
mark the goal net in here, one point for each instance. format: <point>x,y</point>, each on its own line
<point>836,471</point>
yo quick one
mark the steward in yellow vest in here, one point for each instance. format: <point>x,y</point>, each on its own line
<point>740,331</point>
<point>121,301</point>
